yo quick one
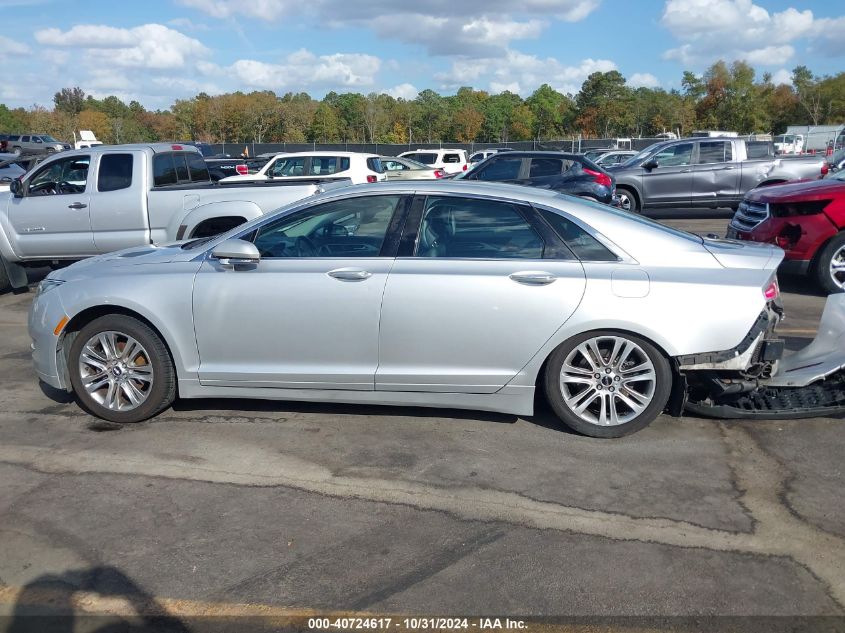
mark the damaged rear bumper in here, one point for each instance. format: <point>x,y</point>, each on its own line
<point>807,383</point>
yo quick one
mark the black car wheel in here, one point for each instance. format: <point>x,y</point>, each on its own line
<point>627,200</point>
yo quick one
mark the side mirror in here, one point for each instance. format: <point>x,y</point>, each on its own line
<point>16,187</point>
<point>650,164</point>
<point>236,252</point>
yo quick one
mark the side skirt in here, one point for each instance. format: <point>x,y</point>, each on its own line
<point>512,399</point>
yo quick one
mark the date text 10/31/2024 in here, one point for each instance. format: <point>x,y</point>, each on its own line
<point>415,624</point>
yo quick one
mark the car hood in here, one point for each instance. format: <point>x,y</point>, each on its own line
<point>126,258</point>
<point>741,254</point>
<point>797,190</point>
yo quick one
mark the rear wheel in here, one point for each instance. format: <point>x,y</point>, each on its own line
<point>4,276</point>
<point>830,265</point>
<point>120,370</point>
<point>627,200</point>
<point>607,384</point>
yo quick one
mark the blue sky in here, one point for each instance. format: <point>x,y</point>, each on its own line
<point>160,50</point>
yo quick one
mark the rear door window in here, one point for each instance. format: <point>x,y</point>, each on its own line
<point>584,245</point>
<point>714,152</point>
<point>325,165</point>
<point>451,158</point>
<point>501,169</point>
<point>545,167</point>
<point>115,172</point>
<point>476,229</point>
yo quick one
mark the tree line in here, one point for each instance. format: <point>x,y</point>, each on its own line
<point>725,97</point>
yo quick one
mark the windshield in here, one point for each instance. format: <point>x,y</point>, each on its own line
<point>413,164</point>
<point>48,139</point>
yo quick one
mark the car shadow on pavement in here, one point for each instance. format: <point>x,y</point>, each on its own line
<point>233,407</point>
<point>52,604</point>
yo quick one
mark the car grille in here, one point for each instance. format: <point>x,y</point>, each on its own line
<point>750,215</point>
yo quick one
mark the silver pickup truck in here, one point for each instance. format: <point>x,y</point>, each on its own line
<point>705,172</point>
<point>101,199</point>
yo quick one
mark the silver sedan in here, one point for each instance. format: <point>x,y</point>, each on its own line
<point>442,294</point>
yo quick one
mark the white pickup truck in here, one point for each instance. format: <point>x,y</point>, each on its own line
<point>100,199</point>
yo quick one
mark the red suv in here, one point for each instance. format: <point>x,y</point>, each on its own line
<point>806,219</point>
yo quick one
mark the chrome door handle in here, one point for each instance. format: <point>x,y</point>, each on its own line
<point>533,278</point>
<point>726,168</point>
<point>34,229</point>
<point>685,171</point>
<point>350,274</point>
<point>77,205</point>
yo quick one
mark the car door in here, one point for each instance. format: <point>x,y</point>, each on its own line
<point>119,216</point>
<point>479,292</point>
<point>715,175</point>
<point>51,218</point>
<point>307,315</point>
<point>670,180</point>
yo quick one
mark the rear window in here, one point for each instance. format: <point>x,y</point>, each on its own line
<point>759,149</point>
<point>426,158</point>
<point>375,165</point>
<point>584,245</point>
<point>115,172</point>
<point>171,168</point>
<point>451,158</point>
<point>198,168</point>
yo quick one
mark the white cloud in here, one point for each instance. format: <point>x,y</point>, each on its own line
<point>738,29</point>
<point>643,80</point>
<point>522,73</point>
<point>475,28</point>
<point>302,69</point>
<point>262,9</point>
<point>403,91</point>
<point>11,48</point>
<point>782,76</point>
<point>148,46</point>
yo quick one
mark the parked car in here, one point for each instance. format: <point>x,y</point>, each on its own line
<point>614,157</point>
<point>35,144</point>
<point>4,140</point>
<point>86,202</point>
<point>452,161</point>
<point>705,172</point>
<point>219,165</point>
<point>456,294</point>
<point>353,167</point>
<point>479,156</point>
<point>559,171</point>
<point>396,168</point>
<point>593,154</point>
<point>836,163</point>
<point>807,220</point>
<point>9,170</point>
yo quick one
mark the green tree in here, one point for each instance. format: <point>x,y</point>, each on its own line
<point>70,100</point>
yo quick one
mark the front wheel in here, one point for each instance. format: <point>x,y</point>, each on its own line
<point>607,384</point>
<point>830,265</point>
<point>121,370</point>
<point>627,200</point>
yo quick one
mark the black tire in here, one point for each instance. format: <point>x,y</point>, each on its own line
<point>5,284</point>
<point>628,200</point>
<point>659,397</point>
<point>161,393</point>
<point>821,268</point>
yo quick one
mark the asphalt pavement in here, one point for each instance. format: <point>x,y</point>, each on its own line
<point>232,507</point>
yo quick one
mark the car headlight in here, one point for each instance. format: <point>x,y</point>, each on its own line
<point>49,284</point>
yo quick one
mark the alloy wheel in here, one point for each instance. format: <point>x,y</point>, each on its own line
<point>837,267</point>
<point>608,380</point>
<point>116,371</point>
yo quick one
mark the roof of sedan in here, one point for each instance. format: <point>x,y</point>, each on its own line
<point>517,192</point>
